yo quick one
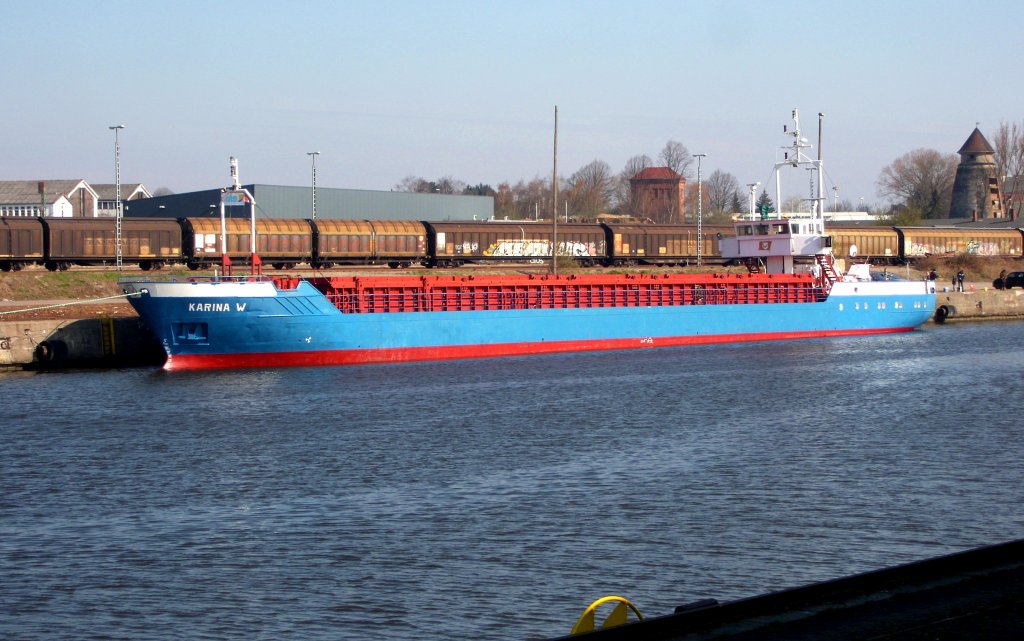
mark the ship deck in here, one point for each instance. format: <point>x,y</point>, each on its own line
<point>386,294</point>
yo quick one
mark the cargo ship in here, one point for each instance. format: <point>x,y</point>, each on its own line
<point>792,290</point>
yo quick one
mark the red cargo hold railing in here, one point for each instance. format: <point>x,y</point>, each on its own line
<point>394,294</point>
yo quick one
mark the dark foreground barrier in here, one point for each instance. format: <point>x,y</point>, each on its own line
<point>976,595</point>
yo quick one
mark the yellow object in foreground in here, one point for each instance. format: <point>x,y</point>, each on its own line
<point>618,615</point>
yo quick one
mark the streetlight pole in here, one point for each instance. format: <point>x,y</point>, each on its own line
<point>700,210</point>
<point>753,188</point>
<point>117,191</point>
<point>313,155</point>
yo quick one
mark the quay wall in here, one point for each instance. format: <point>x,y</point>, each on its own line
<point>90,342</point>
<point>121,342</point>
<point>978,303</point>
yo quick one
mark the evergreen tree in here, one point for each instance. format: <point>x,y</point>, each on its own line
<point>764,205</point>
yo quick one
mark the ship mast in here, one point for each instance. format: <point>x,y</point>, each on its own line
<point>237,196</point>
<point>774,243</point>
<point>794,156</point>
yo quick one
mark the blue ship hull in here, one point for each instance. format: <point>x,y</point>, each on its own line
<point>255,324</point>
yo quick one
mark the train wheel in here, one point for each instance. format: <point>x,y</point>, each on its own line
<point>277,266</point>
<point>145,265</point>
<point>51,265</point>
<point>63,266</point>
<point>6,267</point>
<point>194,266</point>
<point>394,265</point>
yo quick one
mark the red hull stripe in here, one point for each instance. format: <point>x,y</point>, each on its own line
<point>452,352</point>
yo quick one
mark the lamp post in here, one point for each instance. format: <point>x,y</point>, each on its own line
<point>700,210</point>
<point>117,191</point>
<point>753,188</point>
<point>313,155</point>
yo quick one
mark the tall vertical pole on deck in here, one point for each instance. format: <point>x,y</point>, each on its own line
<point>554,207</point>
<point>225,262</point>
<point>700,211</point>
<point>821,185</point>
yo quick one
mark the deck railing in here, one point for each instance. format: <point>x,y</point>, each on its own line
<point>374,300</point>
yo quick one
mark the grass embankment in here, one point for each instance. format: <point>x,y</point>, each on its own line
<point>38,284</point>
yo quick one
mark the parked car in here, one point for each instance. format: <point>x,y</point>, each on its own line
<point>1013,279</point>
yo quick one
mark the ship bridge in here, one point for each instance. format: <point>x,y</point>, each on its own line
<point>776,242</point>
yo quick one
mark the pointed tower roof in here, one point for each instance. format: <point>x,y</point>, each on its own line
<point>976,144</point>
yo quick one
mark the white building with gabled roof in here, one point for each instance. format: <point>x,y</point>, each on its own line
<point>47,198</point>
<point>106,203</point>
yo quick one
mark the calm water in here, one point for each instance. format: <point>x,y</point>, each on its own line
<point>495,499</point>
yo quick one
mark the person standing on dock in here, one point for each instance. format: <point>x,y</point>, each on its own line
<point>960,280</point>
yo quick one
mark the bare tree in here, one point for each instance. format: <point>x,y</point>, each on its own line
<point>504,201</point>
<point>443,185</point>
<point>591,189</point>
<point>676,157</point>
<point>921,180</point>
<point>636,164</point>
<point>623,199</point>
<point>795,204</point>
<point>532,199</point>
<point>722,190</point>
<point>1009,147</point>
<point>449,185</point>
<point>412,184</point>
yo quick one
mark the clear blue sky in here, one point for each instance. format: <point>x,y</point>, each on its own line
<point>389,89</point>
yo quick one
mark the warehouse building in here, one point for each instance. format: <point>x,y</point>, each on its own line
<point>276,201</point>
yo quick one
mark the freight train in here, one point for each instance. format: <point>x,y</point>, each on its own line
<point>151,243</point>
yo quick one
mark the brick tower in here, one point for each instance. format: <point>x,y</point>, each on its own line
<point>658,193</point>
<point>976,186</point>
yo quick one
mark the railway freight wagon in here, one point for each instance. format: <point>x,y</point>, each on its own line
<point>451,244</point>
<point>21,243</point>
<point>917,242</point>
<point>282,243</point>
<point>399,243</point>
<point>149,243</point>
<point>877,244</point>
<point>663,244</point>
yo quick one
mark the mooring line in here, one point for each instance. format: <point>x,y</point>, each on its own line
<point>69,303</point>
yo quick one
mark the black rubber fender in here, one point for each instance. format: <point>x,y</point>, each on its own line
<point>943,312</point>
<point>51,351</point>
